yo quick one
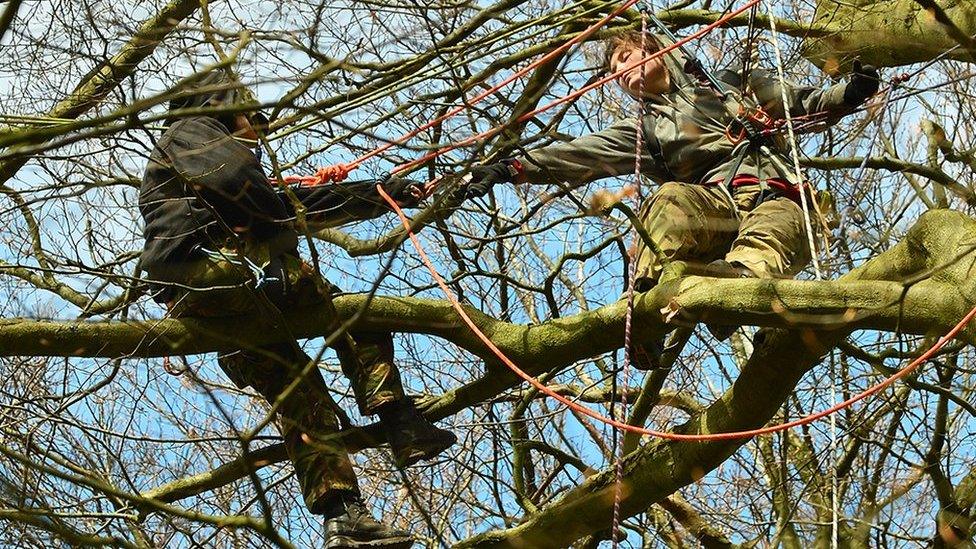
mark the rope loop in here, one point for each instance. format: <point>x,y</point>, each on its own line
<point>328,174</point>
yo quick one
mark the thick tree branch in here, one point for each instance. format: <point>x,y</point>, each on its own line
<point>105,77</point>
<point>938,249</point>
<point>887,33</point>
<point>829,305</point>
<point>659,468</point>
<point>940,15</point>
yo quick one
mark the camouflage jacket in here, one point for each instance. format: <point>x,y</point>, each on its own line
<point>203,187</point>
<point>684,133</point>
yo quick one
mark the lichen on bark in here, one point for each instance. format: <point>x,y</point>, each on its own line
<point>886,33</point>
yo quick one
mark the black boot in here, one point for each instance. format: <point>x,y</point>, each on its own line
<point>647,356</point>
<point>721,268</point>
<point>412,438</point>
<point>352,527</point>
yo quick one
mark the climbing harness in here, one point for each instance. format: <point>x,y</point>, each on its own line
<point>750,124</point>
<point>534,382</point>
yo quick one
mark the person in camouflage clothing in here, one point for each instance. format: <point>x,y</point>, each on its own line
<point>220,241</point>
<point>739,214</point>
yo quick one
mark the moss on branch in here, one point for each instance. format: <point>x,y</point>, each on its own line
<point>922,285</point>
<point>889,33</point>
<point>938,249</point>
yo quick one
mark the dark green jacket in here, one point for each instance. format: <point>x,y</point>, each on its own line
<point>203,187</point>
<point>687,126</point>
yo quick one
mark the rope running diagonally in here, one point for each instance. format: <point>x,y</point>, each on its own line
<point>795,156</point>
<point>341,170</point>
<point>408,166</point>
<point>733,435</point>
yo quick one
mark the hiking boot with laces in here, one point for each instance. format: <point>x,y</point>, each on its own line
<point>412,438</point>
<point>355,528</point>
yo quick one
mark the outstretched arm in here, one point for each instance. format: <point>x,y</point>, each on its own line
<point>335,204</point>
<point>606,153</point>
<point>831,103</point>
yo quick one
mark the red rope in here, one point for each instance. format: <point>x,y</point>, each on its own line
<point>344,169</point>
<point>494,131</point>
<point>334,174</point>
<point>912,366</point>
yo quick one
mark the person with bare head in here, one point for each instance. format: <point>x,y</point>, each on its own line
<point>721,201</point>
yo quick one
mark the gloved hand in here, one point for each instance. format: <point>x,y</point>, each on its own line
<point>486,176</point>
<point>864,83</point>
<point>406,192</point>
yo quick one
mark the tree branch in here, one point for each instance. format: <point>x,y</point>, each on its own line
<point>105,77</point>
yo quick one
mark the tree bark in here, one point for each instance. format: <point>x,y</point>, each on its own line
<point>888,33</point>
<point>938,248</point>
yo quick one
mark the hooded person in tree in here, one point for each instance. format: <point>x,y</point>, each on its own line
<point>221,241</point>
<point>720,204</point>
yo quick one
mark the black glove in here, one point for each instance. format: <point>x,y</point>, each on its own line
<point>864,83</point>
<point>406,192</point>
<point>486,176</point>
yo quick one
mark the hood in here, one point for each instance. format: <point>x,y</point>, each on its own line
<point>213,88</point>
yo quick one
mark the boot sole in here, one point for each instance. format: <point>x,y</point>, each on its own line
<point>432,450</point>
<point>347,542</point>
<point>721,332</point>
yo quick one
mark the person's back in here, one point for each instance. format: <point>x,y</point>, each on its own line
<point>201,189</point>
<point>220,241</point>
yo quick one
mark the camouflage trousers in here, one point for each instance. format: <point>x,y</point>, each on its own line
<point>699,223</point>
<point>307,413</point>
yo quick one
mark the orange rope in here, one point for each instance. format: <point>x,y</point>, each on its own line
<point>327,174</point>
<point>912,366</point>
<point>324,175</point>
<point>335,174</point>
<point>527,116</point>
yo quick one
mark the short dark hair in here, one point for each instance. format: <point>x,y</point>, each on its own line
<point>629,38</point>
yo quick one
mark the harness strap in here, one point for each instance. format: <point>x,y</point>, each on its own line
<point>739,153</point>
<point>653,145</point>
<point>779,187</point>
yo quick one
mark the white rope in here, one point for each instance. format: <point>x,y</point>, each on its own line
<point>632,275</point>
<point>793,146</point>
<point>794,150</point>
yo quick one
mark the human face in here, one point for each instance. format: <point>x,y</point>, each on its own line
<point>654,74</point>
<point>244,127</point>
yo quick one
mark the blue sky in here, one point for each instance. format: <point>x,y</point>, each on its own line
<point>146,402</point>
